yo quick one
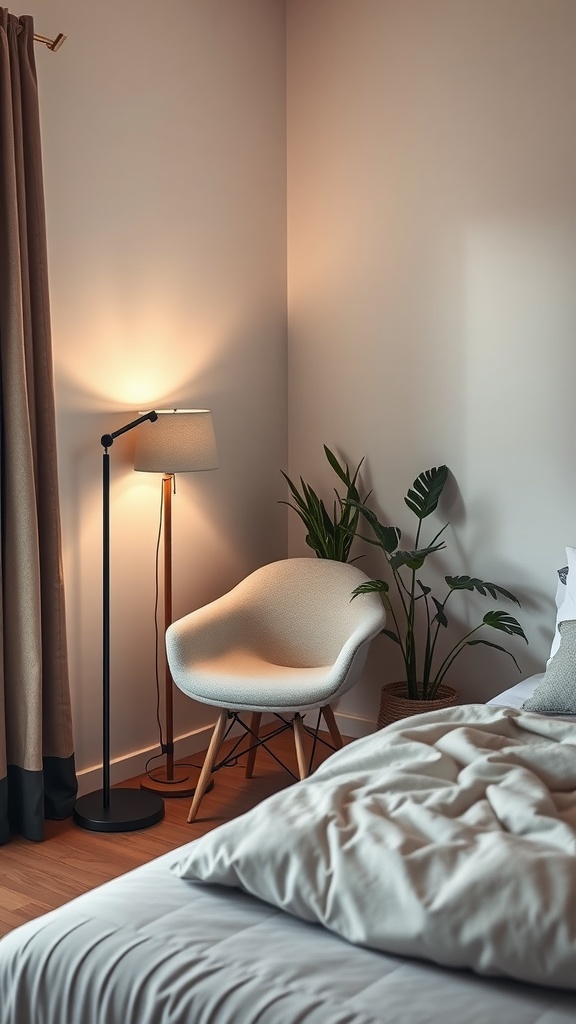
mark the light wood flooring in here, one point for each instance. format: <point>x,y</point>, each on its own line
<point>36,877</point>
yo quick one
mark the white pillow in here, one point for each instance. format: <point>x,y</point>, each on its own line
<point>565,597</point>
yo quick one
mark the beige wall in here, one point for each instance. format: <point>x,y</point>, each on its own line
<point>431,269</point>
<point>164,150</point>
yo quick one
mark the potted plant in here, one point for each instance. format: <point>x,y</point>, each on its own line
<point>417,616</point>
<point>330,536</point>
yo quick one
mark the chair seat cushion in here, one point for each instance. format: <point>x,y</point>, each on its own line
<point>244,680</point>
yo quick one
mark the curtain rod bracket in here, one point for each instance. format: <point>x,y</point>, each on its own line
<point>52,44</point>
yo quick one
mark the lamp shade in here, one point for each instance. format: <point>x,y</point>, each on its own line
<point>179,441</point>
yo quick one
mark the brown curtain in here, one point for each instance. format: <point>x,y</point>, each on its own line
<point>37,777</point>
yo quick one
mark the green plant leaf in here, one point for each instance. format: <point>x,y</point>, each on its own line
<point>495,591</point>
<point>440,615</point>
<point>487,643</point>
<point>321,525</point>
<point>342,472</point>
<point>391,636</point>
<point>481,586</point>
<point>422,498</point>
<point>330,536</point>
<point>387,537</point>
<point>504,622</point>
<point>294,491</point>
<point>465,583</point>
<point>414,560</point>
<point>372,587</point>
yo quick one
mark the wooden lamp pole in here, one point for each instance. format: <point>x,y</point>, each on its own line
<point>184,444</point>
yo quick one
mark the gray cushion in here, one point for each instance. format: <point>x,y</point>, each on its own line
<point>556,694</point>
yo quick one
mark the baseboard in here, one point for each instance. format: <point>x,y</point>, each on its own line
<point>354,726</point>
<point>129,765</point>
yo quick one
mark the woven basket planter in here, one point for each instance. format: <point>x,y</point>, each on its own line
<point>394,704</point>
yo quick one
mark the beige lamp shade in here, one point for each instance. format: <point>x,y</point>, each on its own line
<point>179,441</point>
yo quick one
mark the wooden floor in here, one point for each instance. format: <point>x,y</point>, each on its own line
<point>36,877</point>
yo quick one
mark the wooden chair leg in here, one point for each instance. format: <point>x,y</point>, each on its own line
<point>298,729</point>
<point>215,744</point>
<point>332,727</point>
<point>255,728</point>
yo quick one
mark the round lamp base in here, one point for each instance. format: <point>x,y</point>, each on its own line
<point>128,810</point>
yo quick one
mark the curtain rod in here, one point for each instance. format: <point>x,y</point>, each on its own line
<point>52,44</point>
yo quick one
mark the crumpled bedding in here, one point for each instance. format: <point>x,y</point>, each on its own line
<point>449,836</point>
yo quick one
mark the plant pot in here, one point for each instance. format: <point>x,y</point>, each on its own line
<point>394,704</point>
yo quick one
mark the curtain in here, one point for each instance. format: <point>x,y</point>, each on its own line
<point>37,775</point>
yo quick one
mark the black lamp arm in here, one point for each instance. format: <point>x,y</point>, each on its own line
<point>107,439</point>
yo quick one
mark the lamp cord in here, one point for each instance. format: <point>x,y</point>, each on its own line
<point>155,757</point>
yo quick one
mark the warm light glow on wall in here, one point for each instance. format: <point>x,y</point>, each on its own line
<point>117,376</point>
<point>133,355</point>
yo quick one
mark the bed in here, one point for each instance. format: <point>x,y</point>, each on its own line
<point>303,910</point>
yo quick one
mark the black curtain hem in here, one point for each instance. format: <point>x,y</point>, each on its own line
<point>27,798</point>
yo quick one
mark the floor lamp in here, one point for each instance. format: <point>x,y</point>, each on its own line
<point>114,810</point>
<point>181,441</point>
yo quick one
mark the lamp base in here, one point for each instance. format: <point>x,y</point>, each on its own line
<point>128,810</point>
<point>179,784</point>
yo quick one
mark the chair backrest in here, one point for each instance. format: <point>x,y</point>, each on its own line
<point>301,610</point>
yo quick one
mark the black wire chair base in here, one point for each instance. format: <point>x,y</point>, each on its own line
<point>234,755</point>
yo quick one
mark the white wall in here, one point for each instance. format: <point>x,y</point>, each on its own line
<point>431,269</point>
<point>164,150</point>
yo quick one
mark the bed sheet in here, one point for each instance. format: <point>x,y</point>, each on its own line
<point>515,696</point>
<point>150,948</point>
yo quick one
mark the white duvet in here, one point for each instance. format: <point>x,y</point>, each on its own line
<point>450,836</point>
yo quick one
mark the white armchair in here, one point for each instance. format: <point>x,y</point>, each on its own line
<point>287,639</point>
